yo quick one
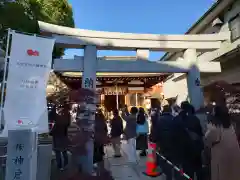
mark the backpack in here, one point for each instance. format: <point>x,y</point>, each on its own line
<point>193,136</point>
<point>194,139</point>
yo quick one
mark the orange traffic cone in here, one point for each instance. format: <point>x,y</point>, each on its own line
<point>151,164</point>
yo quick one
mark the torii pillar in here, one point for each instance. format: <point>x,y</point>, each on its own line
<point>89,82</point>
<point>195,93</point>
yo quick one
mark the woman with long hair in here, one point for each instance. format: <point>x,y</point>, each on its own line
<point>59,133</point>
<point>225,151</point>
<point>142,132</point>
<point>130,133</point>
<point>100,139</point>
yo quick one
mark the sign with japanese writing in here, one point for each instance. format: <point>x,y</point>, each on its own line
<point>115,90</point>
<point>28,72</point>
<point>88,83</point>
<point>197,82</point>
<point>21,155</point>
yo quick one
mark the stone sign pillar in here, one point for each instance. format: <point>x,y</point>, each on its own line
<point>21,155</point>
<point>89,82</point>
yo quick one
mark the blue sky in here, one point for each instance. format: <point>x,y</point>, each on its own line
<point>136,16</point>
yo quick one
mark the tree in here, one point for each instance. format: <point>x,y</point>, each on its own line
<point>22,15</point>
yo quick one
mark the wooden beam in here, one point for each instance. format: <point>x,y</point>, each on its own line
<point>102,79</point>
<point>111,85</point>
<point>122,84</point>
<point>78,85</point>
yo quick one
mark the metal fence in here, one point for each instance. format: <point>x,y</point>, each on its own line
<point>3,155</point>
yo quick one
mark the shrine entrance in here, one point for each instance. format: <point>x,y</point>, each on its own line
<point>110,102</point>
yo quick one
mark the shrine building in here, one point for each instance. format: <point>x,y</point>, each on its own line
<point>114,90</point>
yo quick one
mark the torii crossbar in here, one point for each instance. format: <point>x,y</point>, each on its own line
<point>79,38</point>
<point>134,66</point>
<point>92,41</point>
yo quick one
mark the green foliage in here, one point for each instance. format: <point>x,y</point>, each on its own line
<point>22,15</point>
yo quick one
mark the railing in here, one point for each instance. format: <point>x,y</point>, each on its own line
<point>3,157</point>
<point>174,167</point>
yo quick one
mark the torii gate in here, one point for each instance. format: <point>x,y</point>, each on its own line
<point>91,41</point>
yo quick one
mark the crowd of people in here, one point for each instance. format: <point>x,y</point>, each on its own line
<point>181,139</point>
<point>177,131</point>
<point>74,140</point>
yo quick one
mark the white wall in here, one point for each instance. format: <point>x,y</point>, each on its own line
<point>230,76</point>
<point>233,12</point>
<point>177,89</point>
<point>173,87</point>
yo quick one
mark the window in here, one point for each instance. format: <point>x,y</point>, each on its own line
<point>140,99</point>
<point>136,99</point>
<point>132,99</point>
<point>98,99</point>
<point>234,25</point>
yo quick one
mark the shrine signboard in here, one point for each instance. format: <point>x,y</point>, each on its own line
<point>115,90</point>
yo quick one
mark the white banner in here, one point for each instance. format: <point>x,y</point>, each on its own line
<point>28,73</point>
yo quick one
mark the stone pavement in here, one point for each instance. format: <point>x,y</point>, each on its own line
<point>121,170</point>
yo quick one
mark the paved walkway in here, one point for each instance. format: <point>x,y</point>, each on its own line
<point>124,171</point>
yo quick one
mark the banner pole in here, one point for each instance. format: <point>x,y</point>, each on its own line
<point>4,75</point>
<point>29,86</point>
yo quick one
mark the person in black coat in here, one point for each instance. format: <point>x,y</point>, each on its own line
<point>165,132</point>
<point>189,139</point>
<point>164,139</point>
<point>100,139</point>
<point>155,114</point>
<point>125,111</point>
<point>116,132</point>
